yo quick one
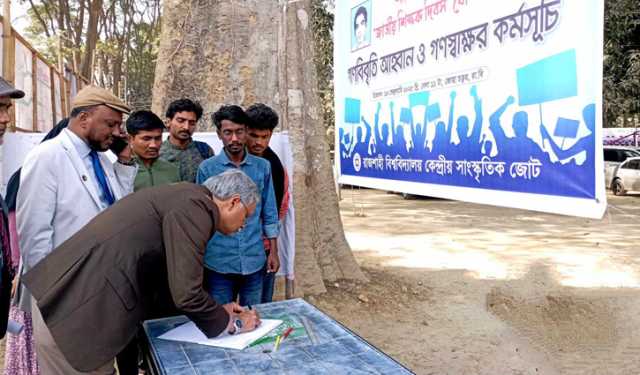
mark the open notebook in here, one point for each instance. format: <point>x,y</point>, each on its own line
<point>189,332</point>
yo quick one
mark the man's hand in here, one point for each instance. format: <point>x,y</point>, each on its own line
<point>273,261</point>
<point>126,154</point>
<point>250,320</point>
<point>233,308</point>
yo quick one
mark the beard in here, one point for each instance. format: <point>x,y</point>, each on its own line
<point>99,146</point>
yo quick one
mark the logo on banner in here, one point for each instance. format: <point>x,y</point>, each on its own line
<point>357,162</point>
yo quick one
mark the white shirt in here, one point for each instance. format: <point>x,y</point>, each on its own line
<point>84,150</point>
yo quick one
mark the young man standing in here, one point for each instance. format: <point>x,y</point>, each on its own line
<point>235,262</point>
<point>262,121</point>
<point>145,137</point>
<point>180,148</point>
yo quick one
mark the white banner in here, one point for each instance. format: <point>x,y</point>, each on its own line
<point>495,102</point>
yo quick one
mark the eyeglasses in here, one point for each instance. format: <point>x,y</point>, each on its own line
<point>237,132</point>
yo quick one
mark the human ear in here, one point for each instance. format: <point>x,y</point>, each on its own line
<point>235,200</point>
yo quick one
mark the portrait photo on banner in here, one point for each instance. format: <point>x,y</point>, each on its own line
<point>361,25</point>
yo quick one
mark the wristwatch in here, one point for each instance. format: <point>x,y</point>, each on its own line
<point>237,326</point>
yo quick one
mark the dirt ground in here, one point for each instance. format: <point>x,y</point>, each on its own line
<point>459,288</point>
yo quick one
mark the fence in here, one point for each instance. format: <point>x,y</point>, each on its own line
<point>48,93</point>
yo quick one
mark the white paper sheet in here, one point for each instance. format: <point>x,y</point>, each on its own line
<point>189,332</point>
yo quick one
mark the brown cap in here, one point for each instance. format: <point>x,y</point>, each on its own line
<point>92,95</point>
<point>7,89</point>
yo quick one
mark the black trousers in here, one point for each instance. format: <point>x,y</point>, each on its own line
<point>128,358</point>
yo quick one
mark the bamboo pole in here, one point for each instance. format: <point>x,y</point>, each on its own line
<point>63,90</point>
<point>52,85</point>
<point>8,53</point>
<point>34,92</point>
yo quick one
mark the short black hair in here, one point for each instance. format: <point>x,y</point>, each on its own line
<point>78,110</point>
<point>184,105</point>
<point>143,120</point>
<point>232,113</point>
<point>262,117</point>
<point>362,10</point>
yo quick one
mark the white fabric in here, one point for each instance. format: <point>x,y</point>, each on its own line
<point>58,196</point>
<point>83,151</point>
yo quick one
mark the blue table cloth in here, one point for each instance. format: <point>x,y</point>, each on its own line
<point>323,346</point>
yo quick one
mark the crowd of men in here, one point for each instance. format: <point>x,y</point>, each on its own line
<point>168,228</point>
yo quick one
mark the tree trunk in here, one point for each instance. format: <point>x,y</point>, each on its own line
<point>86,67</point>
<point>222,52</point>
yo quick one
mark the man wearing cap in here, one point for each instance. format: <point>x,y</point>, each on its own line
<point>64,184</point>
<point>7,93</point>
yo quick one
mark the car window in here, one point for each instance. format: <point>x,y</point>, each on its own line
<point>610,155</point>
<point>629,154</point>
<point>633,164</point>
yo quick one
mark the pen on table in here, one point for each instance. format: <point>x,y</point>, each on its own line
<point>281,338</point>
<point>275,349</point>
<point>286,333</point>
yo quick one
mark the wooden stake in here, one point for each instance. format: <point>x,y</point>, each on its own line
<point>8,53</point>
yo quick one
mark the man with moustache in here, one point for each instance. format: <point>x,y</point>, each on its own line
<point>180,148</point>
<point>145,137</point>
<point>65,183</point>
<point>235,262</point>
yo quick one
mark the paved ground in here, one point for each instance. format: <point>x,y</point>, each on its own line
<point>460,288</point>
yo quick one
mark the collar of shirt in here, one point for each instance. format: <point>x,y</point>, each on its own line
<point>141,164</point>
<point>171,145</point>
<point>79,144</point>
<point>224,156</point>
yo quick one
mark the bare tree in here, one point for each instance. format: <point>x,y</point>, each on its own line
<point>98,38</point>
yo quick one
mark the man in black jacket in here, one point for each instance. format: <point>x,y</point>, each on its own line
<point>262,121</point>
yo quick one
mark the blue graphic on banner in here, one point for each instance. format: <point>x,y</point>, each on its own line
<point>433,112</point>
<point>351,111</point>
<point>566,128</point>
<point>483,156</point>
<point>418,98</point>
<point>550,79</point>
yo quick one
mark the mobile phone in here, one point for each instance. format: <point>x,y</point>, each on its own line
<point>118,144</point>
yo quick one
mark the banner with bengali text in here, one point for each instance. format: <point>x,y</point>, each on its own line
<point>483,101</point>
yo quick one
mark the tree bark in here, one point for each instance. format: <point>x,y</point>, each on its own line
<point>222,52</point>
<point>86,67</point>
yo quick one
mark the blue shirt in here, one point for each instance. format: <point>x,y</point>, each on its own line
<point>242,252</point>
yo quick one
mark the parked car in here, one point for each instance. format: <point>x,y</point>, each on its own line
<point>613,156</point>
<point>626,177</point>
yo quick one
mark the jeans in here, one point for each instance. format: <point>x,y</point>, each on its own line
<point>225,287</point>
<point>269,279</point>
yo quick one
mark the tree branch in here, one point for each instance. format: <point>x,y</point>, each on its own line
<point>39,18</point>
